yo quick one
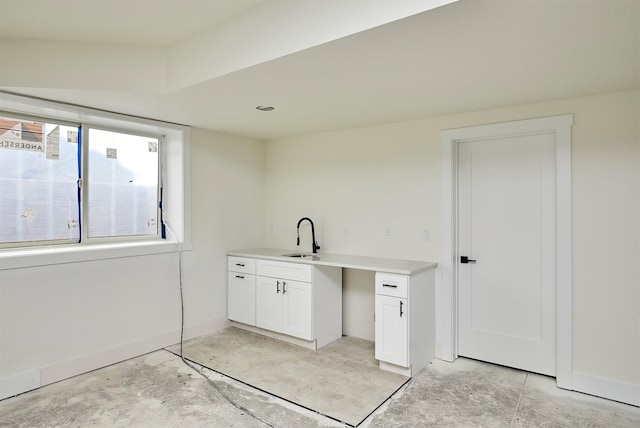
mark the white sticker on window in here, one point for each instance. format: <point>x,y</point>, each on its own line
<point>28,214</point>
<point>153,147</point>
<point>112,153</point>
<point>53,144</point>
<point>72,137</point>
<point>72,224</point>
<point>151,222</point>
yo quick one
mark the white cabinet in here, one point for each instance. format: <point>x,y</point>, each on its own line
<point>284,302</point>
<point>391,324</point>
<point>296,302</point>
<point>392,330</point>
<point>241,290</point>
<point>404,321</point>
<point>284,306</point>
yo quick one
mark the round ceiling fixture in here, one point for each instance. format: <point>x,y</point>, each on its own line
<point>265,108</point>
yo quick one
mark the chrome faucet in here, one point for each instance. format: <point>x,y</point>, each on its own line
<point>314,244</point>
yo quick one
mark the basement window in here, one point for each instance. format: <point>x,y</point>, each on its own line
<point>44,199</point>
<point>38,181</point>
<point>78,184</point>
<point>121,188</point>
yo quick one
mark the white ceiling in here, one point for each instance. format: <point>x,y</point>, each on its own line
<point>147,22</point>
<point>465,56</point>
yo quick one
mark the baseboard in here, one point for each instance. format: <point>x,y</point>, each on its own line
<point>35,378</point>
<point>19,383</point>
<point>606,388</point>
<point>309,344</point>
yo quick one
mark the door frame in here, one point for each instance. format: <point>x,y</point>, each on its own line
<point>560,127</point>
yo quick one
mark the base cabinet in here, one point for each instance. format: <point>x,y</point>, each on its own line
<point>404,321</point>
<point>284,306</point>
<point>391,330</point>
<point>297,302</point>
<point>241,290</point>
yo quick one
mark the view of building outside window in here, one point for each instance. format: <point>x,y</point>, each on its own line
<point>122,184</point>
<point>38,181</point>
<point>39,198</point>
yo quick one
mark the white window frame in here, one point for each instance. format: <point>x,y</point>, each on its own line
<point>86,210</point>
<point>175,160</point>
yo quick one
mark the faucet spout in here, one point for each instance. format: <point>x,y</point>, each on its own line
<point>314,244</point>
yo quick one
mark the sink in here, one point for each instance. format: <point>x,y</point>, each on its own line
<point>302,256</point>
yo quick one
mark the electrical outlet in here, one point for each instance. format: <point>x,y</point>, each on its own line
<point>426,234</point>
<point>387,232</point>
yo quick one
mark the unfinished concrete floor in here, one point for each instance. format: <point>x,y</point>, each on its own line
<point>158,390</point>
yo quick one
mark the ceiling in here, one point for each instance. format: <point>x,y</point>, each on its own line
<point>465,56</point>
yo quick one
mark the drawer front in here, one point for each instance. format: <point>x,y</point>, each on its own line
<point>242,265</point>
<point>390,284</point>
<point>283,270</point>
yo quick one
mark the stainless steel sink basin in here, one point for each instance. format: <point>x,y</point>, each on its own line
<point>302,256</point>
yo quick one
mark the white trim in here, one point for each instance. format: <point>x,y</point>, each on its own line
<point>73,253</point>
<point>32,379</point>
<point>561,127</point>
<point>608,388</point>
<point>19,383</point>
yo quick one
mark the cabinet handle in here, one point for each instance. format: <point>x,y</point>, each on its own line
<point>401,309</point>
<point>284,290</point>
<point>240,276</point>
<point>240,264</point>
<point>277,287</point>
<point>390,285</point>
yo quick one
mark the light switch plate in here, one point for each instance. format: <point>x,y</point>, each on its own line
<point>426,234</point>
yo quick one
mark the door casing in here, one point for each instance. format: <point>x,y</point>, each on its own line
<point>560,127</point>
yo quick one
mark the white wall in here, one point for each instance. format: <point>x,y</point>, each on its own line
<point>389,176</point>
<point>227,185</point>
<point>63,319</point>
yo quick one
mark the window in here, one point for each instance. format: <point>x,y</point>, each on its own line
<point>122,184</point>
<point>43,200</point>
<point>38,181</point>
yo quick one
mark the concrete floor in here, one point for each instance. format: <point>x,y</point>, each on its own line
<point>158,390</point>
<point>329,381</point>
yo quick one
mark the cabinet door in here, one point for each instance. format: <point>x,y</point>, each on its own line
<point>392,330</point>
<point>241,293</point>
<point>298,310</point>
<point>269,303</point>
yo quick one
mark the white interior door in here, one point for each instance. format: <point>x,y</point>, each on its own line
<point>507,224</point>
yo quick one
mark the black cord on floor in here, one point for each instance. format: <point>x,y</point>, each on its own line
<point>192,366</point>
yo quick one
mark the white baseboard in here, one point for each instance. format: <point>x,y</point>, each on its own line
<point>611,389</point>
<point>35,378</point>
<point>19,383</point>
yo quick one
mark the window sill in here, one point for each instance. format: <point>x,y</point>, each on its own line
<point>53,255</point>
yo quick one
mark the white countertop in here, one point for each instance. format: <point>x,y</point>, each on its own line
<point>402,267</point>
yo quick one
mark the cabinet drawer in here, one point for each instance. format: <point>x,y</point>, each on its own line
<point>283,270</point>
<point>390,284</point>
<point>241,264</point>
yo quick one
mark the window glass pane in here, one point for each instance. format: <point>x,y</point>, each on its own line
<point>38,181</point>
<point>122,184</point>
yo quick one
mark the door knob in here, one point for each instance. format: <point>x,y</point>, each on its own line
<point>465,259</point>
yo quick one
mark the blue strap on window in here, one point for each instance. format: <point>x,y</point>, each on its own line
<point>79,184</point>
